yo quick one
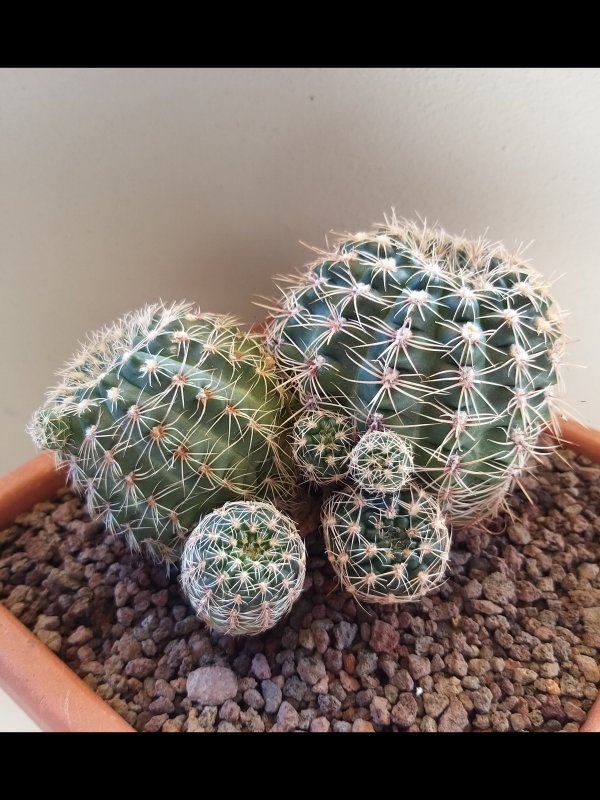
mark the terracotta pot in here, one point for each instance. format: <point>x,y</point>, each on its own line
<point>51,693</point>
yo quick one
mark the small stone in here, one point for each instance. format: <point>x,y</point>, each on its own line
<point>574,711</point>
<point>260,667</point>
<point>311,669</point>
<point>155,723</point>
<point>349,682</point>
<point>522,675</point>
<point>456,664</point>
<point>448,686</point>
<point>403,680</point>
<point>328,704</point>
<point>518,534</point>
<point>404,713</point>
<point>161,705</point>
<point>482,699</point>
<point>230,711</point>
<point>287,716</point>
<point>212,686</point>
<point>81,635</point>
<point>380,711</point>
<point>569,685</point>
<point>227,727</point>
<point>321,638</point>
<point>520,722</point>
<point>320,725</point>
<point>366,663</point>
<point>172,725</point>
<point>362,726</point>
<point>498,588</point>
<point>341,726</point>
<point>472,590</point>
<point>272,695</point>
<point>588,667</point>
<point>306,639</point>
<point>435,704</point>
<point>306,716</point>
<point>384,638</point>
<point>252,721</point>
<point>52,639</point>
<point>47,622</point>
<point>294,688</point>
<point>543,653</point>
<point>344,634</point>
<point>254,699</point>
<point>418,666</point>
<point>428,725</point>
<point>499,721</point>
<point>454,718</point>
<point>484,607</point>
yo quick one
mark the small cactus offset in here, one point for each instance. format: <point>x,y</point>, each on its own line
<point>321,444</point>
<point>164,416</point>
<point>381,462</point>
<point>243,567</point>
<point>454,345</point>
<point>386,548</point>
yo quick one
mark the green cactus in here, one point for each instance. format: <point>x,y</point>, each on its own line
<point>321,446</point>
<point>386,548</point>
<point>452,344</point>
<point>243,567</point>
<point>165,415</point>
<point>381,462</point>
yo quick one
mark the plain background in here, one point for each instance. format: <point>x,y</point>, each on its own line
<point>119,187</point>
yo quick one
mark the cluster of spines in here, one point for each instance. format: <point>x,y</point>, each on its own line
<point>381,462</point>
<point>243,567</point>
<point>321,446</point>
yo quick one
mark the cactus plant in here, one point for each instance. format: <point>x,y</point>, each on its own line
<point>381,462</point>
<point>164,416</point>
<point>321,445</point>
<point>454,345</point>
<point>386,548</point>
<point>243,567</point>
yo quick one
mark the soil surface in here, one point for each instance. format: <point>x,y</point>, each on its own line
<point>509,643</point>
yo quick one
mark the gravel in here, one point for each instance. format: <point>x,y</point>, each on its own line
<point>509,643</point>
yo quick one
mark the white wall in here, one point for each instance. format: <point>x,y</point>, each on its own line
<point>118,187</point>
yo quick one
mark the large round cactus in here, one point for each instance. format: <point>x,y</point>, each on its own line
<point>165,415</point>
<point>452,344</point>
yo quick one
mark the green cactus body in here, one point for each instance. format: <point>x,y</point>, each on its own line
<point>165,415</point>
<point>386,548</point>
<point>243,567</point>
<point>381,462</point>
<point>322,444</point>
<point>452,344</point>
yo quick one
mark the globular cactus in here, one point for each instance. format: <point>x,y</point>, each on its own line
<point>386,548</point>
<point>452,344</point>
<point>381,462</point>
<point>321,445</point>
<point>243,567</point>
<point>164,416</point>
